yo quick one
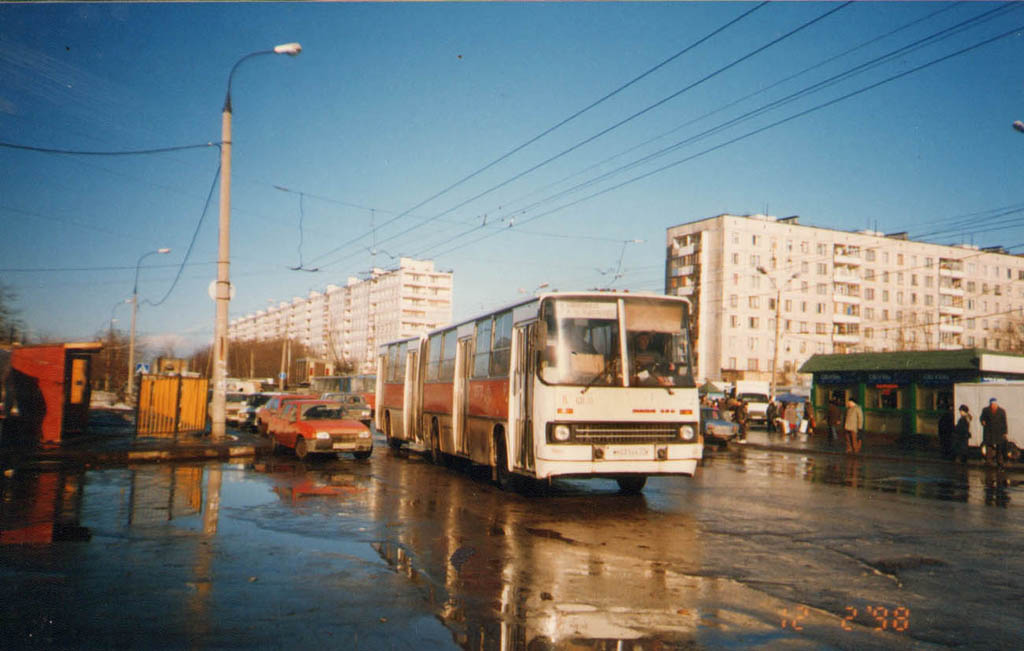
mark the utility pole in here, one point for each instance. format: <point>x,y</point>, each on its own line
<point>778,322</point>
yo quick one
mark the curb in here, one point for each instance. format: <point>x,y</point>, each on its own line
<point>971,463</point>
<point>130,457</point>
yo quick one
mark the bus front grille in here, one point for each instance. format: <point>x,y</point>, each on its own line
<point>611,433</point>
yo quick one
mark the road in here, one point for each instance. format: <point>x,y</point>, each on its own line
<point>759,549</point>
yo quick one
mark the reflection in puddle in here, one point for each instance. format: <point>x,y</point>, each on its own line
<point>925,480</point>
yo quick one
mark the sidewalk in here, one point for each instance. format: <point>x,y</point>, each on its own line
<point>111,440</point>
<point>873,447</point>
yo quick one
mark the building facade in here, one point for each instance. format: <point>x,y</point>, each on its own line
<point>761,284</point>
<point>346,324</point>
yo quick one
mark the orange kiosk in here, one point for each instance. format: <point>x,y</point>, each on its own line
<point>48,392</point>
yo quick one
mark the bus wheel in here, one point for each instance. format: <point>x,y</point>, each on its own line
<point>502,477</point>
<point>632,483</point>
<point>435,445</point>
<point>301,449</point>
<point>393,443</point>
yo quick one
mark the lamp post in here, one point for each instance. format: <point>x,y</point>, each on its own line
<point>778,320</point>
<point>223,286</point>
<point>135,309</point>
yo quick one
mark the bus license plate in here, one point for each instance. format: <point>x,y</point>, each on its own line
<point>628,452</point>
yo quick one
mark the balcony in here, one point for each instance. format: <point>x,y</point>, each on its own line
<point>953,310</point>
<point>951,291</point>
<point>841,275</point>
<point>846,339</point>
<point>846,299</point>
<point>949,272</point>
<point>684,270</point>
<point>840,317</point>
<point>954,328</point>
<point>846,258</point>
<point>680,251</point>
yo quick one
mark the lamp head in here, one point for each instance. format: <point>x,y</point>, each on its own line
<point>291,49</point>
<point>164,250</point>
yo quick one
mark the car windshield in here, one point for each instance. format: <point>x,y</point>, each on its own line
<point>322,412</point>
<point>582,343</point>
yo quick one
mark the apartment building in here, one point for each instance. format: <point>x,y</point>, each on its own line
<point>761,284</point>
<point>347,323</point>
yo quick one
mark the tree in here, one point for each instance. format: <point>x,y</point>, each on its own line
<point>253,359</point>
<point>110,368</point>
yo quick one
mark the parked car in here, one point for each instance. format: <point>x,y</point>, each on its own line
<point>355,405</point>
<point>272,406</point>
<point>715,427</point>
<point>247,414</point>
<point>319,427</point>
<point>232,406</point>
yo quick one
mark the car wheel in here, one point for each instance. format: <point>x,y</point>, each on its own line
<point>632,483</point>
<point>301,449</point>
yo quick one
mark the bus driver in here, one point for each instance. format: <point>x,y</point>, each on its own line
<point>649,364</point>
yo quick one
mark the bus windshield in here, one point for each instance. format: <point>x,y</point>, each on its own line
<point>582,344</point>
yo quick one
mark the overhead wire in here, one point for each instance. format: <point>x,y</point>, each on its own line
<point>756,131</point>
<point>561,123</point>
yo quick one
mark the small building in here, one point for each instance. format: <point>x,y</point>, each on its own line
<point>47,393</point>
<point>904,393</point>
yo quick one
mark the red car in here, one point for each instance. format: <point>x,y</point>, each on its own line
<point>319,427</point>
<point>273,407</point>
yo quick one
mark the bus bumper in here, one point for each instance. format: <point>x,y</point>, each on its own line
<point>603,460</point>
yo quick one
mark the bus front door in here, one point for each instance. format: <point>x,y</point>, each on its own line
<point>522,397</point>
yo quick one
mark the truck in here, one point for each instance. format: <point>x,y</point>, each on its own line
<point>1009,394</point>
<point>755,392</point>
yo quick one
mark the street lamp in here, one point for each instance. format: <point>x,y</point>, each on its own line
<point>135,309</point>
<point>778,317</point>
<point>223,287</point>
<point>1018,126</point>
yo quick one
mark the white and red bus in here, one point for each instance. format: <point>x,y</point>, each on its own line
<point>538,389</point>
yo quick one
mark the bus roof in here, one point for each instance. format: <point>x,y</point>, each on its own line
<point>535,299</point>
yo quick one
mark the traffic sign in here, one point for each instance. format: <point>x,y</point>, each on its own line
<point>141,368</point>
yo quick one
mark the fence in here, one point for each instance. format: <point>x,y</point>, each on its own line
<point>171,405</point>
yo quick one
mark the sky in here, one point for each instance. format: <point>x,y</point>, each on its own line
<point>515,144</point>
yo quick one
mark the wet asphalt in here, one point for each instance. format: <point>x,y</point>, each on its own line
<point>759,549</point>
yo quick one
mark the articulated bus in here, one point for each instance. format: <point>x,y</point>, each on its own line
<point>364,385</point>
<point>587,384</point>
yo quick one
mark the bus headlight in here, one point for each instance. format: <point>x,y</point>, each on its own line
<point>562,433</point>
<point>687,433</point>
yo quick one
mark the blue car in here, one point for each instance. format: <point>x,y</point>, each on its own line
<point>715,428</point>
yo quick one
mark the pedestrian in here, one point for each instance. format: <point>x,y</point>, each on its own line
<point>769,415</point>
<point>946,430</point>
<point>809,416</point>
<point>852,425</point>
<point>739,414</point>
<point>961,435</point>
<point>834,417</point>
<point>994,432</point>
<point>792,418</point>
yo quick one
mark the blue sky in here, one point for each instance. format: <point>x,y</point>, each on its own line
<point>390,104</point>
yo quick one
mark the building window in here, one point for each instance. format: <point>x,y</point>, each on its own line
<point>788,305</point>
<point>754,239</point>
<point>753,301</point>
<point>822,289</point>
<point>822,248</point>
<point>753,322</point>
<point>732,362</point>
<point>869,255</point>
<point>869,293</point>
<point>820,308</point>
<point>752,364</point>
<point>821,329</point>
<point>822,269</point>
<point>734,300</point>
<point>734,321</point>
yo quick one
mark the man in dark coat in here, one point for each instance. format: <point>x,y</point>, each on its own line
<point>994,433</point>
<point>834,417</point>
